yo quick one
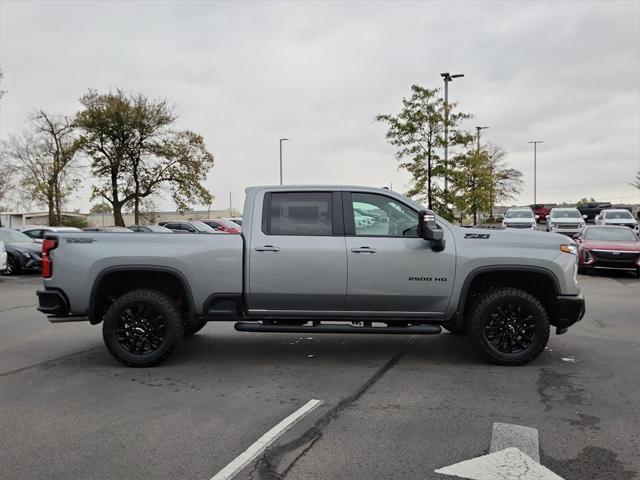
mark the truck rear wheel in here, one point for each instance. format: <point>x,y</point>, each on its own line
<point>509,326</point>
<point>142,328</point>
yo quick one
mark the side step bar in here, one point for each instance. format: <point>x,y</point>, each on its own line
<point>337,328</point>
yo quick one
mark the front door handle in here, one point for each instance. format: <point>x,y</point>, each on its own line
<point>267,248</point>
<point>364,250</point>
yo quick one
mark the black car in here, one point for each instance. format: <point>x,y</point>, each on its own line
<point>23,254</point>
<point>190,226</point>
<point>593,209</point>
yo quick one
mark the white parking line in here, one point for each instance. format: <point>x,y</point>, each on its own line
<point>264,441</point>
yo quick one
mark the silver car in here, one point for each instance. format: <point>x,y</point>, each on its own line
<point>38,232</point>
<point>567,221</point>
<point>3,257</point>
<point>619,217</point>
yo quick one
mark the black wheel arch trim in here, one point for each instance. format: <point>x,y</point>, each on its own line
<point>133,267</point>
<point>459,314</point>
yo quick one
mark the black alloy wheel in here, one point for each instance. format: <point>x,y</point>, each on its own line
<point>141,329</point>
<point>511,328</point>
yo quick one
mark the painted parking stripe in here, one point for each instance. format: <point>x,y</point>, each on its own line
<point>264,441</point>
<point>523,438</point>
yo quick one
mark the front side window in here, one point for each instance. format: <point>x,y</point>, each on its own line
<point>300,213</point>
<point>35,233</point>
<point>380,216</point>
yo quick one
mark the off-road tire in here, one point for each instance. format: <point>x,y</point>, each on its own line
<point>485,306</point>
<point>191,329</point>
<point>158,302</point>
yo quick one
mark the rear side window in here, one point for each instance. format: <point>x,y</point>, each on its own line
<point>300,213</point>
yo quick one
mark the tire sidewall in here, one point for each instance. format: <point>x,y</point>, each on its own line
<point>159,302</point>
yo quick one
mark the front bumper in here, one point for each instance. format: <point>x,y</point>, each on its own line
<point>570,309</point>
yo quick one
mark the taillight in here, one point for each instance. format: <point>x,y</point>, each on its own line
<point>47,267</point>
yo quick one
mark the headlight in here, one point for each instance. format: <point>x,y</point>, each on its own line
<point>572,249</point>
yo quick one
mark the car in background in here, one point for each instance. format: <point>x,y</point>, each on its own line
<point>567,221</point>
<point>23,254</point>
<point>236,220</point>
<point>520,218</point>
<point>222,225</point>
<point>188,226</point>
<point>112,228</point>
<point>541,210</point>
<point>149,229</point>
<point>608,247</point>
<point>3,257</point>
<point>37,232</point>
<point>593,209</point>
<point>617,216</point>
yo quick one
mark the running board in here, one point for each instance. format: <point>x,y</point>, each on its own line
<point>338,328</point>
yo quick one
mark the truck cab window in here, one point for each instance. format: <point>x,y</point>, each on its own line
<point>301,213</point>
<point>380,216</point>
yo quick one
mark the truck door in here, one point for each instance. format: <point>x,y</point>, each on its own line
<point>391,268</point>
<point>297,254</point>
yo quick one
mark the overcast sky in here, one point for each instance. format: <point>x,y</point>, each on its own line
<point>245,74</point>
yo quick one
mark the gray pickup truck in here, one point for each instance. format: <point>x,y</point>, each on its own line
<point>326,259</point>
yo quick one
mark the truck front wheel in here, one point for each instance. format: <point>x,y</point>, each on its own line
<point>509,326</point>
<point>142,328</point>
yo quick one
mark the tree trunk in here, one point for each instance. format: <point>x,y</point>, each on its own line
<point>52,211</point>
<point>136,210</point>
<point>429,199</point>
<point>117,215</point>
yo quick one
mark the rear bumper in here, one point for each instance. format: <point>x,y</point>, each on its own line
<point>52,302</point>
<point>570,309</point>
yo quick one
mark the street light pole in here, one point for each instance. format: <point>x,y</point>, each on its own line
<point>281,140</point>
<point>535,166</point>
<point>478,135</point>
<point>447,77</point>
<point>230,214</point>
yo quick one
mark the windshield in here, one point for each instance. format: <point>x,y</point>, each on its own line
<point>618,215</point>
<point>9,236</point>
<point>519,214</point>
<point>619,234</point>
<point>565,214</point>
<point>202,227</point>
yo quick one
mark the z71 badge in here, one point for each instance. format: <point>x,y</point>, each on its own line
<point>477,236</point>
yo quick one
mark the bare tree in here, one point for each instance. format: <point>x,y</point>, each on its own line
<point>44,157</point>
<point>506,181</point>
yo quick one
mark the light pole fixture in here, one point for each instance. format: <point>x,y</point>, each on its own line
<point>535,162</point>
<point>281,140</point>
<point>478,135</point>
<point>447,77</point>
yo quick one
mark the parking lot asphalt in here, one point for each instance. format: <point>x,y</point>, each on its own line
<point>393,406</point>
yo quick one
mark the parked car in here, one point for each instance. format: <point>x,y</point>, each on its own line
<point>236,220</point>
<point>37,233</point>
<point>222,225</point>
<point>188,226</point>
<point>23,254</point>
<point>149,229</point>
<point>303,266</point>
<point>610,248</point>
<point>541,210</point>
<point>617,216</point>
<point>592,209</point>
<point>567,221</point>
<point>3,258</point>
<point>519,217</point>
<point>111,228</point>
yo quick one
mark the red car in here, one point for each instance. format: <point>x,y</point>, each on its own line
<point>609,248</point>
<point>541,210</point>
<point>221,225</point>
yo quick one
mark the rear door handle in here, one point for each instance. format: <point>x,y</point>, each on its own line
<point>364,250</point>
<point>267,248</point>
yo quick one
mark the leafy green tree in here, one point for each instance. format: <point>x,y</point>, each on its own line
<point>44,158</point>
<point>584,200</point>
<point>418,133</point>
<point>100,208</point>
<point>506,182</point>
<point>135,152</point>
<point>78,222</point>
<point>471,182</point>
